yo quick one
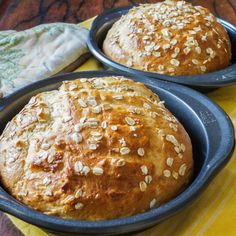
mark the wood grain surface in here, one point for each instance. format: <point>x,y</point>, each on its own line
<point>23,14</point>
<point>7,228</point>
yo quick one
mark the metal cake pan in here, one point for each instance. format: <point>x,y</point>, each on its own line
<point>203,82</point>
<point>210,130</point>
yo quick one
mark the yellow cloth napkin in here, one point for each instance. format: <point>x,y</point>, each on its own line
<point>214,212</point>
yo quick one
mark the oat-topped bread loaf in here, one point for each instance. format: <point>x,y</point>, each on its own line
<point>170,37</point>
<point>94,149</point>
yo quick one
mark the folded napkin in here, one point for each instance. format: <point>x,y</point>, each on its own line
<point>37,53</point>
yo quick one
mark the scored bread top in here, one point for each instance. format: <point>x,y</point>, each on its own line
<point>170,37</point>
<point>94,149</point>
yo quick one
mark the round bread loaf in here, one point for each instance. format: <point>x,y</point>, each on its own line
<point>171,37</point>
<point>93,149</point>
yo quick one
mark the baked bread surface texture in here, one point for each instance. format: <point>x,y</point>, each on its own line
<point>95,149</point>
<point>170,37</point>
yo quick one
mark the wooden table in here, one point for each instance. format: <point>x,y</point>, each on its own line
<point>15,14</point>
<point>24,14</point>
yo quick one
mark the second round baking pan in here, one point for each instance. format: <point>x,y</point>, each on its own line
<point>203,82</point>
<point>210,130</point>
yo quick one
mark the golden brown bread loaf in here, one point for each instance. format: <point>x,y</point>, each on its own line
<point>170,37</point>
<point>94,149</point>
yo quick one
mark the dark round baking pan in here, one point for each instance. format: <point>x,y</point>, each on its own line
<point>210,130</point>
<point>203,82</point>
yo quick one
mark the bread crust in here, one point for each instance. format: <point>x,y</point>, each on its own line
<point>170,37</point>
<point>94,149</point>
